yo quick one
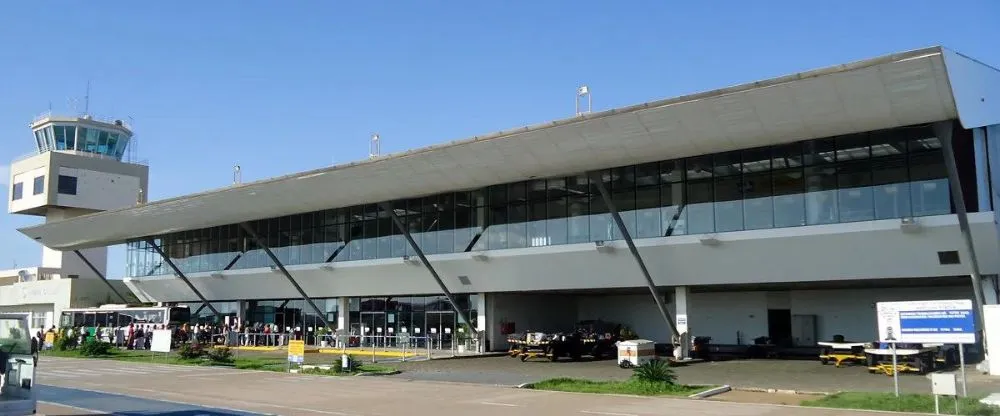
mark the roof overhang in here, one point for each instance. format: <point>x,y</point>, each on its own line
<point>890,91</point>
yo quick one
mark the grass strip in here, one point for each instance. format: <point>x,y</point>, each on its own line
<point>913,403</point>
<point>633,387</point>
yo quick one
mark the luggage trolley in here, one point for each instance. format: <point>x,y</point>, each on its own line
<point>840,352</point>
<point>909,359</point>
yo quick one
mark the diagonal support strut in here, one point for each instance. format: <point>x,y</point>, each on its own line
<point>277,263</point>
<point>99,274</point>
<point>599,181</point>
<point>180,274</point>
<point>943,130</point>
<point>427,265</point>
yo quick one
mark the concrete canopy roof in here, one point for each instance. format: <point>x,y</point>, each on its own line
<point>889,91</point>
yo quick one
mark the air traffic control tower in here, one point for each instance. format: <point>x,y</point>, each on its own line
<point>80,165</point>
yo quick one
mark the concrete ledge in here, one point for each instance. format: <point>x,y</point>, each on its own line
<point>711,392</point>
<point>465,357</point>
<point>361,353</point>
<point>246,348</point>
<point>387,373</point>
<point>781,391</point>
<point>526,385</point>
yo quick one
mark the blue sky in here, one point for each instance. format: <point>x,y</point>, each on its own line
<point>280,87</point>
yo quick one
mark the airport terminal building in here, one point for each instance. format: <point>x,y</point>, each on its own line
<point>782,208</point>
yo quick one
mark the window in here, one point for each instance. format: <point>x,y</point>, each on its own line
<point>67,185</point>
<point>886,174</point>
<point>17,192</point>
<point>39,186</point>
<point>38,320</point>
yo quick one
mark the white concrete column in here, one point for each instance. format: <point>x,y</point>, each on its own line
<point>343,312</point>
<point>241,312</point>
<point>681,320</point>
<point>482,323</point>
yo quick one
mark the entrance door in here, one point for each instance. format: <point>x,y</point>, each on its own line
<point>373,328</point>
<point>779,326</point>
<point>440,329</point>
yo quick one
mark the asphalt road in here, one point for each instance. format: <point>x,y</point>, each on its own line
<point>124,388</point>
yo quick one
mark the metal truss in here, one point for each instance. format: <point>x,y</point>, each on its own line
<point>596,178</point>
<point>281,267</point>
<point>180,274</point>
<point>99,274</point>
<point>427,264</point>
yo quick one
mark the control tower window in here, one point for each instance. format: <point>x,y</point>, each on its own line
<point>67,185</point>
<point>17,192</point>
<point>39,185</point>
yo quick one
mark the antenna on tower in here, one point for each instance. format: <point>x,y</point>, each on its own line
<point>580,93</point>
<point>237,175</point>
<point>374,147</point>
<point>86,100</point>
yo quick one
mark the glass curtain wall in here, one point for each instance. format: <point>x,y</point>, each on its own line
<point>869,176</point>
<point>414,320</point>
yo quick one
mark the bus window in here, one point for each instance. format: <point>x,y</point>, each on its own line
<point>89,319</point>
<point>102,319</point>
<point>180,316</point>
<point>66,319</point>
<point>77,318</point>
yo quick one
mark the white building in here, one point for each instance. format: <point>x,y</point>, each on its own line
<point>806,198</point>
<point>77,169</point>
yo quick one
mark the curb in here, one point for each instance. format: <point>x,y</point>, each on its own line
<point>526,386</point>
<point>389,373</point>
<point>711,392</point>
<point>466,357</point>
<point>781,391</point>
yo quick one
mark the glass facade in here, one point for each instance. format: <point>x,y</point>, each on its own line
<point>83,139</point>
<point>414,316</point>
<point>861,177</point>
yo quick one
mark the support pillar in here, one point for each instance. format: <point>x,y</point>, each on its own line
<point>385,206</point>
<point>943,130</point>
<point>482,325</point>
<point>241,312</point>
<point>180,274</point>
<point>681,316</point>
<point>281,267</point>
<point>599,182</point>
<point>983,193</point>
<point>100,275</point>
<point>343,313</point>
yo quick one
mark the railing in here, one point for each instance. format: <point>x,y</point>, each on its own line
<point>89,116</point>
<point>126,157</point>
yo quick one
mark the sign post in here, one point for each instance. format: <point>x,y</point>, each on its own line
<point>927,322</point>
<point>296,352</point>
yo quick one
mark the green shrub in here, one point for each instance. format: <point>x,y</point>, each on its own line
<point>221,355</point>
<point>655,371</point>
<point>190,351</point>
<point>94,348</point>
<point>63,343</point>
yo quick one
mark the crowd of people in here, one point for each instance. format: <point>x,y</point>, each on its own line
<point>139,336</point>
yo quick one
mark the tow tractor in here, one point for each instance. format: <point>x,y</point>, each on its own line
<point>17,366</point>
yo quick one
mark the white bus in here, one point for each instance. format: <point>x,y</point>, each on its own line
<point>122,315</point>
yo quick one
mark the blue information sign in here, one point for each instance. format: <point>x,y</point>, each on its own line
<point>922,322</point>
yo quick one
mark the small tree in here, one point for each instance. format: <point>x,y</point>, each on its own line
<point>655,371</point>
<point>220,355</point>
<point>95,348</point>
<point>190,351</point>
